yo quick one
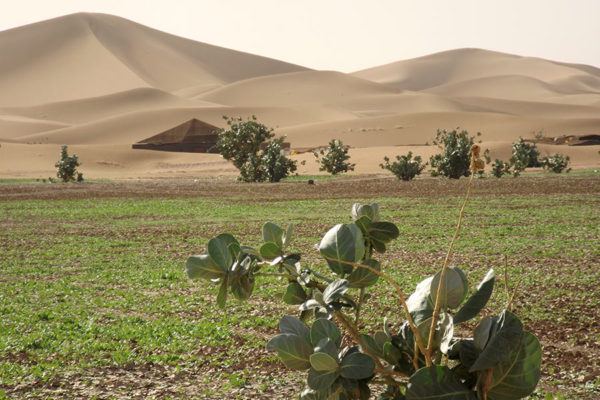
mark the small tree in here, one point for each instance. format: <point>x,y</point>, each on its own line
<point>524,155</point>
<point>405,168</point>
<point>556,163</point>
<point>455,160</point>
<point>241,144</point>
<point>500,168</point>
<point>334,159</point>
<point>67,167</point>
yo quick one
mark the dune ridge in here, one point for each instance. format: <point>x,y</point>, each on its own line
<point>100,83</point>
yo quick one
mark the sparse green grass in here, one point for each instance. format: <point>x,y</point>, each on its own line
<point>93,286</point>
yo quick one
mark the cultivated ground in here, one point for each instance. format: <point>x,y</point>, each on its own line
<point>95,303</point>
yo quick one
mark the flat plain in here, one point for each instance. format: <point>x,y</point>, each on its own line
<point>95,303</point>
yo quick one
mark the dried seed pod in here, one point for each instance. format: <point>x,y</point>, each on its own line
<point>475,150</point>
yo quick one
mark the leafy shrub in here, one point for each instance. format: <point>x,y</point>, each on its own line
<point>454,162</point>
<point>524,156</point>
<point>241,144</point>
<point>334,159</point>
<point>405,168</point>
<point>500,361</point>
<point>556,163</point>
<point>67,167</point>
<point>500,168</point>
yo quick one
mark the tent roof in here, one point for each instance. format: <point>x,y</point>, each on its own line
<point>192,131</point>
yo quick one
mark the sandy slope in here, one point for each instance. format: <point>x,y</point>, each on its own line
<point>99,83</point>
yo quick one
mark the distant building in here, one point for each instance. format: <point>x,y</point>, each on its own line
<point>193,136</point>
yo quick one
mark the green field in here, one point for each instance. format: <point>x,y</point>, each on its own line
<point>95,303</point>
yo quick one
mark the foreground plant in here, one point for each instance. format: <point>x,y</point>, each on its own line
<point>422,359</point>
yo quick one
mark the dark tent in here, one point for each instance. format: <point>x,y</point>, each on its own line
<point>193,136</point>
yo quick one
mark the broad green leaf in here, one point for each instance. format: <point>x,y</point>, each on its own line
<point>335,290</point>
<point>323,328</point>
<point>292,325</point>
<point>232,244</point>
<point>309,305</point>
<point>419,303</point>
<point>478,300</point>
<point>357,366</point>
<point>323,362</point>
<point>369,210</point>
<point>242,284</point>
<point>269,251</point>
<point>327,345</point>
<point>505,337</point>
<point>362,277</point>
<point>378,246</point>
<point>383,231</point>
<point>218,251</point>
<point>444,331</point>
<point>294,294</point>
<point>481,334</point>
<point>222,296</point>
<point>363,223</point>
<point>321,380</point>
<point>437,383</point>
<point>250,251</point>
<point>371,346</point>
<point>454,289</point>
<point>468,353</point>
<point>341,243</point>
<point>518,375</point>
<point>202,266</point>
<point>287,238</point>
<point>391,353</point>
<point>272,233</point>
<point>293,350</point>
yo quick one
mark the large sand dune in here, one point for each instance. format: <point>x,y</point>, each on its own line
<point>100,83</point>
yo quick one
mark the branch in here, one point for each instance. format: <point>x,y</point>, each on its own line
<point>436,309</point>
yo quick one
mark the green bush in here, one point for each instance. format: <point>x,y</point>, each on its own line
<point>67,167</point>
<point>421,359</point>
<point>405,167</point>
<point>241,144</point>
<point>455,160</point>
<point>524,155</point>
<point>334,159</point>
<point>556,163</point>
<point>500,168</point>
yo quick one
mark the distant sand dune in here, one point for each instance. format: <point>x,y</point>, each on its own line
<point>100,83</point>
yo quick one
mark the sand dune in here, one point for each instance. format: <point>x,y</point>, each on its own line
<point>88,55</point>
<point>292,89</point>
<point>100,83</point>
<point>467,64</point>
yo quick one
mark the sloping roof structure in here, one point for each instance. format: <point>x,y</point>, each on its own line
<point>193,136</point>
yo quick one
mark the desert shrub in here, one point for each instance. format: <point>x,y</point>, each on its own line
<point>276,166</point>
<point>67,167</point>
<point>420,358</point>
<point>455,160</point>
<point>405,167</point>
<point>241,143</point>
<point>500,168</point>
<point>556,163</point>
<point>524,155</point>
<point>334,159</point>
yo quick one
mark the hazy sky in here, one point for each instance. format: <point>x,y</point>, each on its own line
<point>353,34</point>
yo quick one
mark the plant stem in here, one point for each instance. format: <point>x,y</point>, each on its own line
<point>438,301</point>
<point>359,305</point>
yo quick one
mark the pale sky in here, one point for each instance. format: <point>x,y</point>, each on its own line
<point>353,34</point>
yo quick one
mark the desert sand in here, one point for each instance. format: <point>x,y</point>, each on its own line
<point>99,83</point>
